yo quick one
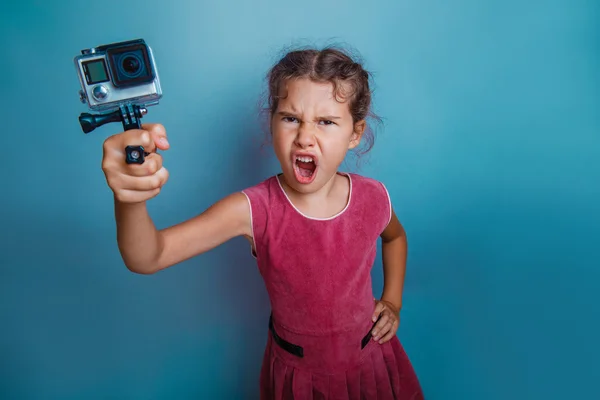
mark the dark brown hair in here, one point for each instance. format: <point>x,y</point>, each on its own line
<point>330,64</point>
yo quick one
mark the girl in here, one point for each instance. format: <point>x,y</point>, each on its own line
<point>313,232</point>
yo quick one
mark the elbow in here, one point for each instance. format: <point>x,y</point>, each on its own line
<point>142,268</point>
<point>140,271</point>
<point>143,265</point>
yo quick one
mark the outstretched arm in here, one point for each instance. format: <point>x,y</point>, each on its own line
<point>144,249</point>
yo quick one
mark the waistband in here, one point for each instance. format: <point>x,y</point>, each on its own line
<point>337,351</point>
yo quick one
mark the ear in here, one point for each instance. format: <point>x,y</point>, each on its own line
<point>359,130</point>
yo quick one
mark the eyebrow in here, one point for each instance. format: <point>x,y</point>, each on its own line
<point>291,114</point>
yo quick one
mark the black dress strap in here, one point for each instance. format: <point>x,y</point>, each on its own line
<point>284,344</point>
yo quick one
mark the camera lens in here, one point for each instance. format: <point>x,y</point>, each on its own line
<point>131,65</point>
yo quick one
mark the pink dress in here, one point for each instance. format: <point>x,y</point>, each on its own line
<point>317,275</point>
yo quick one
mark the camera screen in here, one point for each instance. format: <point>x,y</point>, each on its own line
<point>95,71</point>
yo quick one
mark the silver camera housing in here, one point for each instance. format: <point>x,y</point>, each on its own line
<point>117,74</point>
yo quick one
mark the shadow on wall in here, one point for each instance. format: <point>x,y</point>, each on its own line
<point>243,304</point>
<point>250,305</point>
<point>235,306</point>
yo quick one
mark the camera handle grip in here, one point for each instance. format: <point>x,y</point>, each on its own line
<point>129,115</point>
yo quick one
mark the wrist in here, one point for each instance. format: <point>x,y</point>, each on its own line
<point>395,305</point>
<point>127,204</point>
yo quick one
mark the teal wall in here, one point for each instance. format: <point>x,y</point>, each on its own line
<point>490,151</point>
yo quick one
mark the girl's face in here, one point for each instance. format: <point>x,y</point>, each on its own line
<point>312,131</point>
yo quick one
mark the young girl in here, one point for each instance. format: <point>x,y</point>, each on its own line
<point>313,232</point>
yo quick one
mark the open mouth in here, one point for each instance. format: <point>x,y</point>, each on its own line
<point>305,169</point>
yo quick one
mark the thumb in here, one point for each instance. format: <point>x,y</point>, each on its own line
<point>159,135</point>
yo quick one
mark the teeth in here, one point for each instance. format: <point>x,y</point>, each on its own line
<point>304,159</point>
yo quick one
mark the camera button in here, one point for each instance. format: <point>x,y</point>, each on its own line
<point>100,92</point>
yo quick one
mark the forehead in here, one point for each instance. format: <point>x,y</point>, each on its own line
<point>307,95</point>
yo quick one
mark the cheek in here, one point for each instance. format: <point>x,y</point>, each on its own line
<point>334,148</point>
<point>338,137</point>
<point>280,140</point>
<point>283,134</point>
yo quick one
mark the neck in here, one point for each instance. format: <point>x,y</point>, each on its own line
<point>325,202</point>
<point>317,196</point>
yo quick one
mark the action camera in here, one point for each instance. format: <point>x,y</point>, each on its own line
<point>118,81</point>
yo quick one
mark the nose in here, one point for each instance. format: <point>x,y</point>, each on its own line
<point>306,136</point>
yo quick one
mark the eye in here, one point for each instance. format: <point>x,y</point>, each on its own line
<point>327,122</point>
<point>289,119</point>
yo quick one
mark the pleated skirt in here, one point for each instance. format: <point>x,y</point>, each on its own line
<point>337,367</point>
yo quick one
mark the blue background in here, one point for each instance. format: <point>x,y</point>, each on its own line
<point>490,151</point>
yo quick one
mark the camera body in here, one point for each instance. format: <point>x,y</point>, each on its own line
<point>118,74</point>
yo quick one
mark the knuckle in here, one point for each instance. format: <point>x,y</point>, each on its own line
<point>145,138</point>
<point>154,193</point>
<point>151,168</point>
<point>164,174</point>
<point>115,184</point>
<point>108,142</point>
<point>105,166</point>
<point>106,145</point>
<point>110,178</point>
<point>157,161</point>
<point>120,196</point>
<point>157,129</point>
<point>107,163</point>
<point>155,181</point>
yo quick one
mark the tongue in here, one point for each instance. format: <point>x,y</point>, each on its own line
<point>307,165</point>
<point>306,168</point>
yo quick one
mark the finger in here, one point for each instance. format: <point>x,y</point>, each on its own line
<point>114,167</point>
<point>136,137</point>
<point>382,332</point>
<point>158,134</point>
<point>378,309</point>
<point>144,183</point>
<point>114,146</point>
<point>152,164</point>
<point>391,333</point>
<point>389,326</point>
<point>380,324</point>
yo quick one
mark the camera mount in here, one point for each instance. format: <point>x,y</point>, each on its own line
<point>129,115</point>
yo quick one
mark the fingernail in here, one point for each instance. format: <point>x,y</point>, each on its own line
<point>163,141</point>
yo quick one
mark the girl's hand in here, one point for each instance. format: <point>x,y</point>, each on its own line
<point>389,321</point>
<point>135,183</point>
